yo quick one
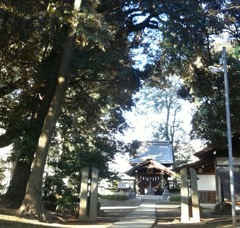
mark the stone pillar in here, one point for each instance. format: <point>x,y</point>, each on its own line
<point>195,198</point>
<point>184,195</point>
<point>88,194</point>
<point>83,207</point>
<point>94,195</point>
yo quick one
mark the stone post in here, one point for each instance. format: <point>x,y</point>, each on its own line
<point>83,207</point>
<point>184,195</point>
<point>94,195</point>
<point>195,198</point>
<point>88,194</point>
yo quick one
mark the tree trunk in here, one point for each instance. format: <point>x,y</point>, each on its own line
<point>16,190</point>
<point>32,202</point>
<point>22,169</point>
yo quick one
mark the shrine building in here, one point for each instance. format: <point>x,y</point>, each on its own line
<point>150,180</point>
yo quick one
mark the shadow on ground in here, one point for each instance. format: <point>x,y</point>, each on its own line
<point>170,216</point>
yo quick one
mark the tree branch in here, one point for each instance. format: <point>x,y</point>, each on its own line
<point>147,23</point>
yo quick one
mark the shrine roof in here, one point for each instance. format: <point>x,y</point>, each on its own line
<point>143,166</point>
<point>197,164</point>
<point>204,152</point>
<point>160,151</point>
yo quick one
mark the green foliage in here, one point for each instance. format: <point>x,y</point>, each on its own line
<point>53,185</point>
<point>115,197</point>
<point>66,203</point>
<point>209,121</point>
<point>58,197</point>
<point>78,153</point>
<point>183,33</point>
<point>174,198</point>
<point>30,58</point>
<point>183,46</point>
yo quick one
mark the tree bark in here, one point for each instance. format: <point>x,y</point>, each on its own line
<point>16,190</point>
<point>22,168</point>
<point>32,202</point>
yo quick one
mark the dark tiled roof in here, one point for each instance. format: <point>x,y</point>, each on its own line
<point>195,165</point>
<point>159,151</point>
<point>143,165</point>
<point>204,152</point>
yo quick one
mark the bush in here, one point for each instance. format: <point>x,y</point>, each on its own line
<point>175,198</point>
<point>67,203</point>
<point>222,208</point>
<point>50,202</point>
<point>115,197</point>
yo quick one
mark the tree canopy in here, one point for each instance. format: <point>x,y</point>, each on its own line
<point>100,85</point>
<point>185,43</point>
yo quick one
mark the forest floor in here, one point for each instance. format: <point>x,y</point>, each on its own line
<point>168,215</point>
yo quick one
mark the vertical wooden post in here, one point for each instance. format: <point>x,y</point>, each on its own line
<point>195,199</point>
<point>184,195</point>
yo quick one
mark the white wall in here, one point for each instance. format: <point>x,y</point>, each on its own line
<point>206,182</point>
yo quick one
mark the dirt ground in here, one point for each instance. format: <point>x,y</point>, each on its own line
<point>171,217</point>
<point>10,218</point>
<point>167,216</point>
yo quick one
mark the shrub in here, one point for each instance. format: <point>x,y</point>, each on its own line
<point>50,202</point>
<point>175,198</point>
<point>115,197</point>
<point>222,208</point>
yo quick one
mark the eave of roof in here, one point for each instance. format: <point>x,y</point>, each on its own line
<point>196,164</point>
<point>204,152</point>
<point>145,163</point>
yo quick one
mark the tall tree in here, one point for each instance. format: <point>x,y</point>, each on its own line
<point>92,91</point>
<point>209,120</point>
<point>166,109</point>
<point>32,202</point>
<point>112,72</point>
<point>30,104</point>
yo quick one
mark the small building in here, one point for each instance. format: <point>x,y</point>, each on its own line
<point>151,180</point>
<point>126,183</point>
<point>213,173</point>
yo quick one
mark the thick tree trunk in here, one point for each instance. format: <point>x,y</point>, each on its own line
<point>22,169</point>
<point>32,202</point>
<point>16,190</point>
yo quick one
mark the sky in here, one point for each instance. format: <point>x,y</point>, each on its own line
<point>141,125</point>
